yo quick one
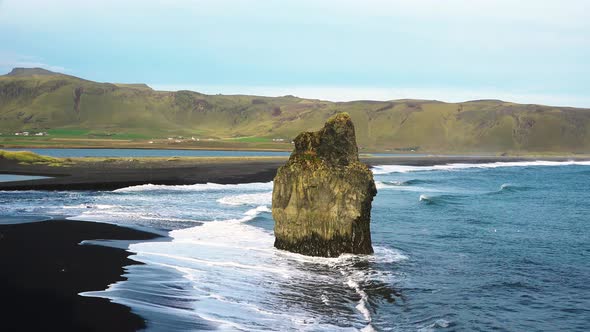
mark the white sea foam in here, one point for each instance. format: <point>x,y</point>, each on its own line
<point>247,199</point>
<point>330,261</point>
<point>512,187</point>
<point>207,262</point>
<point>89,206</point>
<point>121,215</point>
<point>438,324</point>
<point>236,276</point>
<point>387,255</point>
<point>257,211</point>
<point>380,185</point>
<point>256,276</point>
<point>362,303</point>
<point>224,325</point>
<point>368,328</point>
<point>386,169</point>
<point>241,254</point>
<point>165,206</point>
<point>231,233</point>
<point>198,187</point>
<point>381,255</point>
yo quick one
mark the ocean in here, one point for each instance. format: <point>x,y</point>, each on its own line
<point>461,247</point>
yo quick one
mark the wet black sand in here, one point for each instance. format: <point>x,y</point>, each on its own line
<point>43,268</point>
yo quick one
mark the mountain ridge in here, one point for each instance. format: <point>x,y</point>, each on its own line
<point>22,71</point>
<point>41,100</point>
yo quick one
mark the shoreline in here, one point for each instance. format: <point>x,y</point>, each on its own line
<point>289,149</point>
<point>142,147</point>
<point>116,173</point>
<point>44,269</point>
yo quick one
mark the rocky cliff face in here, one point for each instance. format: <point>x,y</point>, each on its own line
<point>321,200</point>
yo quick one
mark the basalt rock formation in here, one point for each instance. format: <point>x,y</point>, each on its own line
<point>321,201</point>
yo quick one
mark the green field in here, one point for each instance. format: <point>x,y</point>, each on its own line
<point>252,139</point>
<point>77,112</point>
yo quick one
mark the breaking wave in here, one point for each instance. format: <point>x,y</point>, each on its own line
<point>386,169</point>
<point>439,199</point>
<point>247,199</point>
<point>198,187</point>
<point>244,256</point>
<point>407,183</point>
<point>509,187</point>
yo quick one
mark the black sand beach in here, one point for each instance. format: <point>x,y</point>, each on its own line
<point>103,175</point>
<point>124,173</point>
<point>43,268</point>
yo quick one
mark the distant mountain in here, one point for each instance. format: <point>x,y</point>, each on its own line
<point>30,72</point>
<point>37,99</point>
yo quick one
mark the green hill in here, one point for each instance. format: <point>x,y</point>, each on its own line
<point>37,100</point>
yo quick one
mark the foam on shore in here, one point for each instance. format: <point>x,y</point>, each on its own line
<point>386,169</point>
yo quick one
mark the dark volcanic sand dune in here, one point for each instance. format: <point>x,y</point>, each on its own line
<point>43,268</point>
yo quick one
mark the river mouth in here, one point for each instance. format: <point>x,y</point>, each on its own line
<point>19,177</point>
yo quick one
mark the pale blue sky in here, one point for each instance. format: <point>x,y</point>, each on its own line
<point>453,50</point>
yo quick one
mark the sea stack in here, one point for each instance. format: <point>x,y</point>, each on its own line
<point>321,200</point>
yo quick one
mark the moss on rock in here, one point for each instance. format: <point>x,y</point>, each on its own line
<point>322,196</point>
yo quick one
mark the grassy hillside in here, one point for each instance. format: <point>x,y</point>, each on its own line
<point>78,112</point>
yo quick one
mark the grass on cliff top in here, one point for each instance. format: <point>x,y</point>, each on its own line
<point>27,157</point>
<point>44,103</point>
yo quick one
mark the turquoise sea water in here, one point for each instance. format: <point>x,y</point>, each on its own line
<point>503,246</point>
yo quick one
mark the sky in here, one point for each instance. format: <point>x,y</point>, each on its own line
<point>528,51</point>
